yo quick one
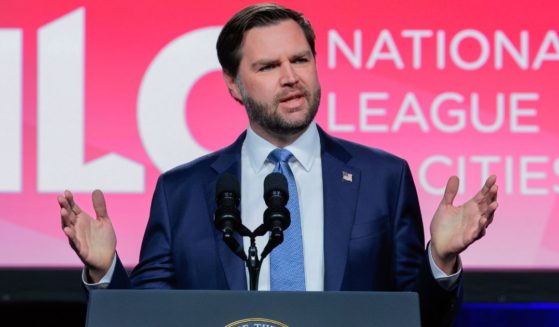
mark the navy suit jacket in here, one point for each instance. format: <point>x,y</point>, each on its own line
<point>373,232</point>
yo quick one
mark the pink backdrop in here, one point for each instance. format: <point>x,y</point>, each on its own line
<point>107,94</point>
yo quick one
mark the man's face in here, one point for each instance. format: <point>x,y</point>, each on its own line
<point>277,79</point>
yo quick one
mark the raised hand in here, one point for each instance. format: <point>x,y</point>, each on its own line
<point>453,229</point>
<point>93,239</point>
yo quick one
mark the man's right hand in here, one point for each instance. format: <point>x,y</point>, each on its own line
<point>93,240</point>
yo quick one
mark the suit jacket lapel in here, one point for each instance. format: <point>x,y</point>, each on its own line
<point>340,192</point>
<point>228,161</point>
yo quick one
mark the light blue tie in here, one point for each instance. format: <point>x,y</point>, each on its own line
<point>287,266</point>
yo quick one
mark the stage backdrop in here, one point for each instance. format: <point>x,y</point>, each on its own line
<point>109,94</point>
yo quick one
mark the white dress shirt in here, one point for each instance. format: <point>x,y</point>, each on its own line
<point>306,166</point>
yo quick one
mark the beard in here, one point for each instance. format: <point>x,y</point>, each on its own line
<point>268,116</point>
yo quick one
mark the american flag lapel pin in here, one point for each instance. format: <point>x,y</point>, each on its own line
<point>348,177</point>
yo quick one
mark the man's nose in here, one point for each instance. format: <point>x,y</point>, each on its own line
<point>288,75</point>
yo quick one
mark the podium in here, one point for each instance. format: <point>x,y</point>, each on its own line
<point>251,309</point>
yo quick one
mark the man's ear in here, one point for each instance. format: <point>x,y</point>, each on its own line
<point>233,87</point>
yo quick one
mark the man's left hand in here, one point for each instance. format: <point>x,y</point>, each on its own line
<point>453,229</point>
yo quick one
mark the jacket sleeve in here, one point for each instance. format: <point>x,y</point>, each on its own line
<point>413,272</point>
<point>156,268</point>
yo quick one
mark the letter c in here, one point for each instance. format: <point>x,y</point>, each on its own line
<point>163,93</point>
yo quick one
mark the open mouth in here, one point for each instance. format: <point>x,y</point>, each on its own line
<point>293,99</point>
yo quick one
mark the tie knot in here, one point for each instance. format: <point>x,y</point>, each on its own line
<point>280,155</point>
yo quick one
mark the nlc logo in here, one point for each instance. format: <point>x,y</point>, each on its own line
<point>161,109</point>
<point>256,322</point>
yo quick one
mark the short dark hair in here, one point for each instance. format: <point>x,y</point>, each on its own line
<point>264,14</point>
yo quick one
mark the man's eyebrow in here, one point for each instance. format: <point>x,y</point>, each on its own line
<point>305,53</point>
<point>267,61</point>
<point>264,62</point>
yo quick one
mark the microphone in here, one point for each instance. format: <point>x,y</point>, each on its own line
<point>227,216</point>
<point>276,218</point>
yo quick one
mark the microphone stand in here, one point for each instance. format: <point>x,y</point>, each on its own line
<point>253,264</point>
<point>252,260</point>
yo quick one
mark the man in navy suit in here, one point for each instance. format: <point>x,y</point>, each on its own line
<point>363,232</point>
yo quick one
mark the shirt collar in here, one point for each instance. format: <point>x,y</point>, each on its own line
<point>305,149</point>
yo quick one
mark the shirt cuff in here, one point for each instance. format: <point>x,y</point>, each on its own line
<point>448,282</point>
<point>104,282</point>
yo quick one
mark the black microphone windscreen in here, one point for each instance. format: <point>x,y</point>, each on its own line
<point>275,182</point>
<point>227,183</point>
